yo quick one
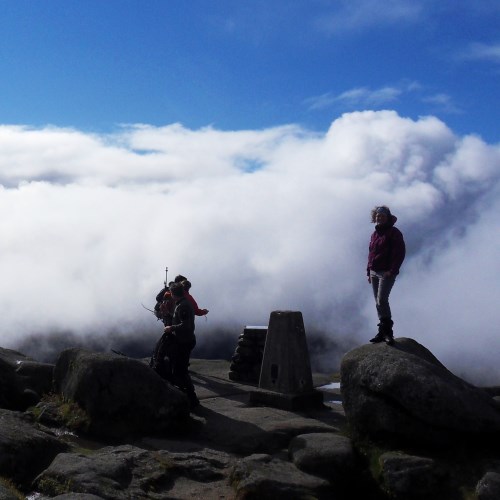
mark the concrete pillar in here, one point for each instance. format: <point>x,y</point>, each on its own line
<point>286,367</point>
<point>285,376</point>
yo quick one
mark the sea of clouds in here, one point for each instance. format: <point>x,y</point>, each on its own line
<point>258,220</point>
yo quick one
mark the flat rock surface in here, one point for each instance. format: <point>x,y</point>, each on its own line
<point>225,419</point>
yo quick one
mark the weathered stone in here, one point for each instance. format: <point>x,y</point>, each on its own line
<point>246,430</point>
<point>328,455</point>
<point>261,476</point>
<point>36,376</point>
<point>127,471</point>
<point>120,395</point>
<point>488,488</point>
<point>10,389</point>
<point>245,351</point>
<point>247,358</point>
<point>25,448</point>
<point>408,477</point>
<point>22,380</point>
<point>402,392</point>
<point>246,342</point>
<point>12,357</point>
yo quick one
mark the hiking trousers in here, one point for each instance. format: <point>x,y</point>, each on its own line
<point>382,287</point>
<point>178,354</point>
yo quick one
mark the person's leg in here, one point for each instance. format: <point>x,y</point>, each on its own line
<point>180,372</point>
<point>384,309</point>
<point>384,288</point>
<point>375,282</point>
<point>160,362</point>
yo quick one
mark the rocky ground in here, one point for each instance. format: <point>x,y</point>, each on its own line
<point>227,449</point>
<point>405,428</point>
<point>225,424</point>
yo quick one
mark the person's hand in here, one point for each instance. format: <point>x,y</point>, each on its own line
<point>204,311</point>
<point>369,279</point>
<point>168,329</point>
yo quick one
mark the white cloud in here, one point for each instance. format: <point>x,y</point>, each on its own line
<point>370,97</point>
<point>354,98</point>
<point>442,102</point>
<point>482,52</point>
<point>259,221</point>
<point>362,97</point>
<point>358,15</point>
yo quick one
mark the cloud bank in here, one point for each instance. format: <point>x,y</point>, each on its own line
<point>259,220</point>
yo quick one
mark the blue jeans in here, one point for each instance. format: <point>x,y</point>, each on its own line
<point>382,287</point>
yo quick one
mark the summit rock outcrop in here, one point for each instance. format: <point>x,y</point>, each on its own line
<point>403,393</point>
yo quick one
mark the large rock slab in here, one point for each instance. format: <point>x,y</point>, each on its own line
<point>239,428</point>
<point>120,395</point>
<point>126,472</point>
<point>264,477</point>
<point>25,448</point>
<point>403,392</point>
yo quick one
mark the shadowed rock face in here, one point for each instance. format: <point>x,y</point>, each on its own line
<point>404,392</point>
<point>120,395</point>
<point>25,449</point>
<point>22,380</point>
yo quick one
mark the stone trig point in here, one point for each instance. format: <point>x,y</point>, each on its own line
<point>285,377</point>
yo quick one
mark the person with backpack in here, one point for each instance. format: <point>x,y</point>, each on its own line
<point>164,310</point>
<point>385,256</point>
<point>164,306</point>
<point>179,342</point>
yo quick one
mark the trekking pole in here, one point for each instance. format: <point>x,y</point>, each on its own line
<point>166,274</point>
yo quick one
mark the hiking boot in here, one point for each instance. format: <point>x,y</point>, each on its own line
<point>377,338</point>
<point>389,339</point>
<point>385,330</point>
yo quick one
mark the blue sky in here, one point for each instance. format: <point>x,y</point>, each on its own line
<point>236,65</point>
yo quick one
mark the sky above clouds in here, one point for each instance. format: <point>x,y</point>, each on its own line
<point>243,144</point>
<point>252,64</point>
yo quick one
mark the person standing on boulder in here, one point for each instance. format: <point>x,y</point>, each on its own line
<point>181,341</point>
<point>386,254</point>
